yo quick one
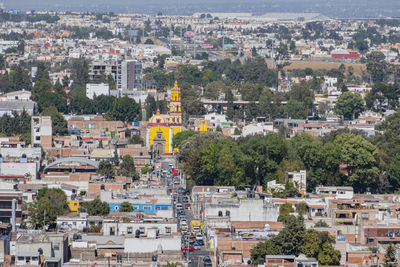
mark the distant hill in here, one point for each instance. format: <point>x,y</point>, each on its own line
<point>331,8</point>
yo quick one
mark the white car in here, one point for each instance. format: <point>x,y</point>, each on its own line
<point>199,237</point>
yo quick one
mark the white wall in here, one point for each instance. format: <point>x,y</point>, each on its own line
<point>17,168</point>
<point>123,227</point>
<point>248,210</point>
<point>97,89</point>
<point>144,245</point>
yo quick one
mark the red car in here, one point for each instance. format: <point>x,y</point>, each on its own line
<point>191,248</point>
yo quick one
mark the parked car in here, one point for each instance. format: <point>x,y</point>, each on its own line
<point>196,246</point>
<point>188,247</point>
<point>207,261</point>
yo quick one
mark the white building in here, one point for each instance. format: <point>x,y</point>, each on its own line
<point>93,90</point>
<point>215,119</point>
<point>299,179</point>
<point>41,131</point>
<point>339,192</point>
<point>148,229</point>
<point>244,210</point>
<point>73,222</point>
<point>152,245</point>
<point>258,129</point>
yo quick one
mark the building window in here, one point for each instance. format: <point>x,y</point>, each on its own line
<point>129,230</point>
<point>56,247</point>
<point>168,230</point>
<point>5,205</point>
<point>147,208</point>
<point>365,216</point>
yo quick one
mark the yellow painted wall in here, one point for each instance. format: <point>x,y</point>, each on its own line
<point>175,130</point>
<point>165,134</point>
<point>73,205</point>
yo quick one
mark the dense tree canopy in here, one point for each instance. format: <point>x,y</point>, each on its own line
<point>295,239</point>
<point>349,105</point>
<point>339,159</point>
<point>49,204</point>
<point>96,207</point>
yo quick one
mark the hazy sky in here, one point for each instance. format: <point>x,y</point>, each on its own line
<point>335,8</point>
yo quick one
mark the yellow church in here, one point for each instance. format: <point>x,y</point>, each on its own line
<point>161,128</point>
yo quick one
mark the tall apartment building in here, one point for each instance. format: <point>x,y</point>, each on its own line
<point>126,73</point>
<point>41,131</point>
<point>131,75</point>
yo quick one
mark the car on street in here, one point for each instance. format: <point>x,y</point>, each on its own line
<point>196,246</point>
<point>188,247</point>
<point>199,237</point>
<point>207,261</point>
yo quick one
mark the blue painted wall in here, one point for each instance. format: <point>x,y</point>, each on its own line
<point>146,208</point>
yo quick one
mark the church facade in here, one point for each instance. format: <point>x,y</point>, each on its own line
<point>161,128</point>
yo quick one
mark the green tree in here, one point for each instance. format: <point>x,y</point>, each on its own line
<point>50,99</point>
<point>151,106</point>
<point>383,96</point>
<point>96,207</point>
<point>49,204</point>
<point>136,139</point>
<point>214,89</point>
<point>349,105</point>
<point>390,256</point>
<point>294,239</point>
<point>126,109</point>
<point>126,207</point>
<point>264,248</point>
<point>301,208</point>
<point>116,156</point>
<point>105,168</point>
<point>179,138</point>
<point>127,167</point>
<point>393,174</point>
<point>320,245</point>
<point>296,109</point>
<point>303,93</point>
<point>284,212</point>
<point>389,138</point>
<point>376,66</point>
<point>359,157</point>
<point>80,72</point>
